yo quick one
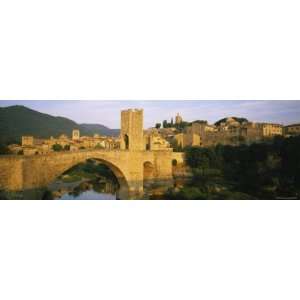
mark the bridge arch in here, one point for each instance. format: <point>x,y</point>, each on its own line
<point>41,170</point>
<point>20,173</point>
<point>120,176</point>
<point>148,172</point>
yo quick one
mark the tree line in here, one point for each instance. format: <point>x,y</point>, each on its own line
<point>268,170</point>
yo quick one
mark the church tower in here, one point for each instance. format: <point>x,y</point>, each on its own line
<point>178,119</point>
<point>75,134</point>
<point>132,130</point>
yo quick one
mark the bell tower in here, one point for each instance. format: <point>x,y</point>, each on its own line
<point>75,134</point>
<point>132,130</point>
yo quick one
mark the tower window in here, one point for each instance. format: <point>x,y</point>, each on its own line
<point>126,141</point>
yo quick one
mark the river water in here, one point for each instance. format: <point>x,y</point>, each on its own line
<point>88,195</point>
<point>85,190</point>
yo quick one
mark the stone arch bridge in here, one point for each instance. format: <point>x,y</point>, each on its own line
<point>18,172</point>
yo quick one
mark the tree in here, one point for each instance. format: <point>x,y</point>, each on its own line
<point>240,120</point>
<point>181,126</point>
<point>157,125</point>
<point>57,147</point>
<point>266,170</point>
<point>4,149</point>
<point>67,147</point>
<point>172,123</point>
<point>165,124</point>
<point>3,195</point>
<point>99,146</point>
<point>198,157</point>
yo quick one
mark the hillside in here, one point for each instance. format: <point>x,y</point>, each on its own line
<point>17,120</point>
<point>98,128</point>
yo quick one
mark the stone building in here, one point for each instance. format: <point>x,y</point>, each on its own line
<point>200,128</point>
<point>187,139</point>
<point>31,145</point>
<point>154,141</point>
<point>236,133</point>
<point>270,129</point>
<point>167,133</point>
<point>228,132</point>
<point>293,129</point>
<point>27,140</point>
<point>194,134</point>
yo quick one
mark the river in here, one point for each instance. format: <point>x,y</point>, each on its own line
<point>88,195</point>
<point>84,189</point>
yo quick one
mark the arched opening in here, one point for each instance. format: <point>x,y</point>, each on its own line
<point>175,166</point>
<point>148,174</point>
<point>126,141</point>
<point>92,179</point>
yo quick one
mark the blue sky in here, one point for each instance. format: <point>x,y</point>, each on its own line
<point>108,112</point>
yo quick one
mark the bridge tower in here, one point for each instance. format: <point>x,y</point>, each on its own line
<point>132,130</point>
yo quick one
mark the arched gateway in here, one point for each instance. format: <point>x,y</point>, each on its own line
<point>21,172</point>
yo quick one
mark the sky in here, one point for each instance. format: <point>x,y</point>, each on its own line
<point>108,112</point>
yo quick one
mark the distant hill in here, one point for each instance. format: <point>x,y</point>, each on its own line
<point>18,120</point>
<point>101,129</point>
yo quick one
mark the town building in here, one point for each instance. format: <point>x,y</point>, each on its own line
<point>31,145</point>
<point>154,141</point>
<point>293,129</point>
<point>270,129</point>
<point>187,139</point>
<point>231,131</point>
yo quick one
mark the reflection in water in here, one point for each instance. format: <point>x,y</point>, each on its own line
<point>94,181</point>
<point>90,190</point>
<point>90,180</point>
<point>88,195</point>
